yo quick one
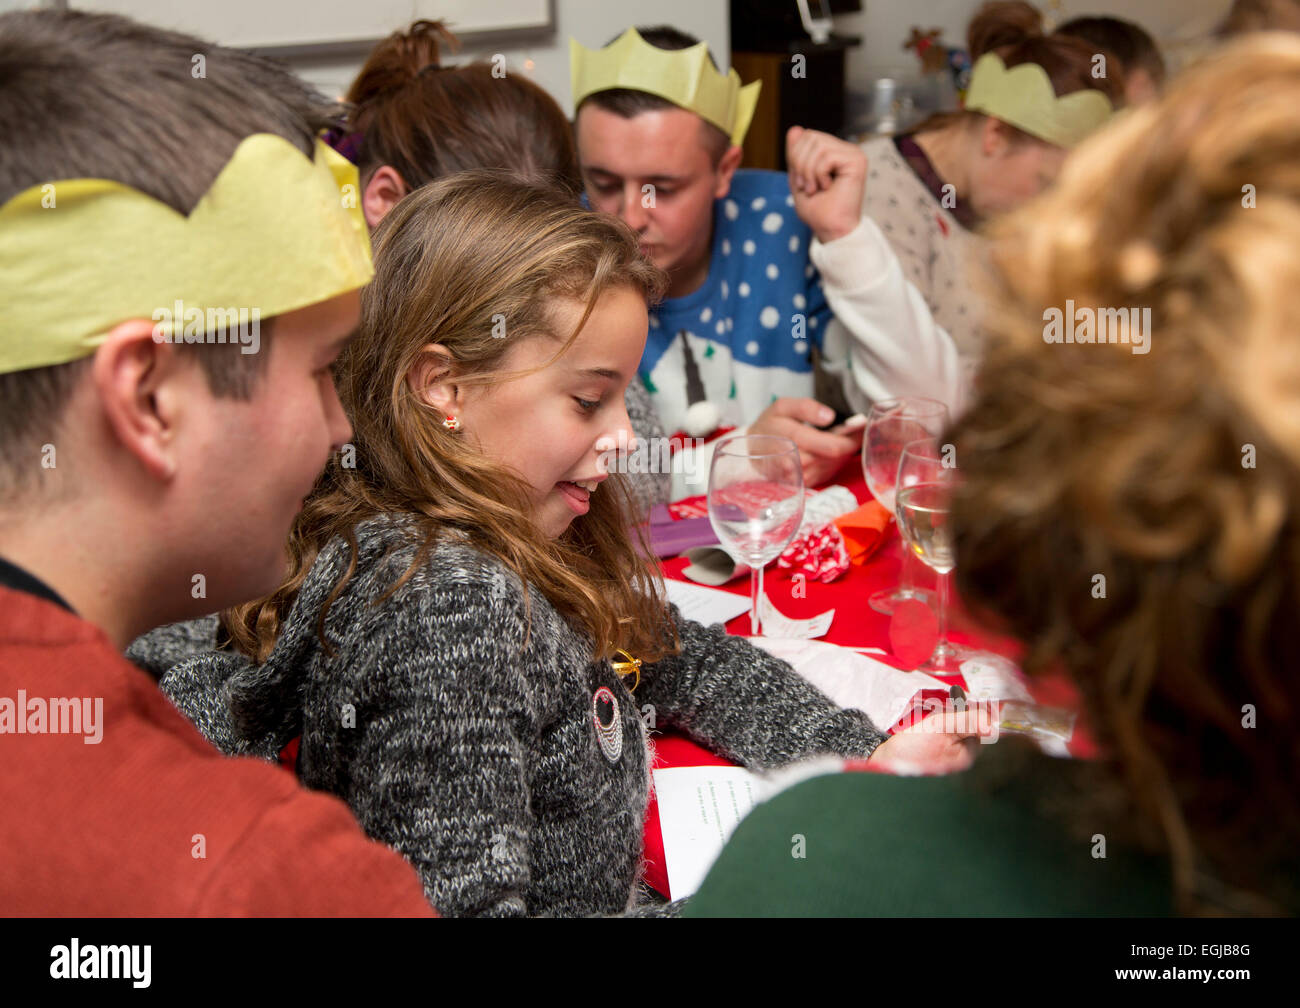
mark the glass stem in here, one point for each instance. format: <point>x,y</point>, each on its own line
<point>907,576</point>
<point>943,610</point>
<point>755,593</point>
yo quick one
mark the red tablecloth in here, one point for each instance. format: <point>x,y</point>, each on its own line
<point>856,624</point>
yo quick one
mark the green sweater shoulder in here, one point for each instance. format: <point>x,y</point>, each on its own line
<point>1001,840</point>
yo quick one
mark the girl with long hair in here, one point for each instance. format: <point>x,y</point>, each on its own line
<point>468,642</point>
<point>412,120</point>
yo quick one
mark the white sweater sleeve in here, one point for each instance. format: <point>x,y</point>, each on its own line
<point>883,339</point>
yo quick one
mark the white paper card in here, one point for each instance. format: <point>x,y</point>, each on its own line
<point>991,677</point>
<point>850,679</point>
<point>699,808</point>
<point>776,624</point>
<point>705,605</point>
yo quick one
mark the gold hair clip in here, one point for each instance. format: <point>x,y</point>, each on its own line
<point>627,666</point>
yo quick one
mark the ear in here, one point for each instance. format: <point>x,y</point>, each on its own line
<point>726,170</point>
<point>142,384</point>
<point>995,137</point>
<point>432,378</point>
<point>383,190</point>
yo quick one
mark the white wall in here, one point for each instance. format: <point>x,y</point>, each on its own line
<point>884,26</point>
<point>591,22</point>
<point>1176,24</point>
<point>546,59</point>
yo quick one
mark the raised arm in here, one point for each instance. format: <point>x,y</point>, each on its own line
<point>884,340</point>
<point>883,333</point>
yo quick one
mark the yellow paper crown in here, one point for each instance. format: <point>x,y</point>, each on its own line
<point>1024,97</point>
<point>684,77</point>
<point>275,232</point>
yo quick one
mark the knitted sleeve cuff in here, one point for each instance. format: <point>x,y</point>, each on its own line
<point>749,706</point>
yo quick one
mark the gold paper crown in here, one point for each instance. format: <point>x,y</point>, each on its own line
<point>1024,97</point>
<point>275,232</point>
<point>684,77</point>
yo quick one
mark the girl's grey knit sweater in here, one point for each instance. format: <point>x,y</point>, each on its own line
<point>507,767</point>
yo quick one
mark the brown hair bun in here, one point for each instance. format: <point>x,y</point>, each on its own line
<point>396,62</point>
<point>1000,24</point>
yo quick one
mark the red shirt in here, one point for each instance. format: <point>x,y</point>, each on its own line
<point>151,820</point>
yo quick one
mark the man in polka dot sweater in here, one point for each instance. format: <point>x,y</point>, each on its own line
<point>730,345</point>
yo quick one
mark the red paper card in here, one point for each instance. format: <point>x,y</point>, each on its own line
<point>913,632</point>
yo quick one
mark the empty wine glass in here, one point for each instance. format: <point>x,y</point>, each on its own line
<point>756,501</point>
<point>892,424</point>
<point>927,472</point>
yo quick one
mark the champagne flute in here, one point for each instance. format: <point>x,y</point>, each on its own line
<point>756,501</point>
<point>892,424</point>
<point>926,475</point>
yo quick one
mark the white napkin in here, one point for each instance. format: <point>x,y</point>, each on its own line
<point>883,693</point>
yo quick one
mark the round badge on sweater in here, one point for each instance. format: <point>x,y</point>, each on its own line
<point>609,730</point>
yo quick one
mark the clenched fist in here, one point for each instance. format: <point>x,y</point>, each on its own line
<point>827,178</point>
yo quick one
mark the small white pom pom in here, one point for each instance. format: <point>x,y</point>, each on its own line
<point>703,418</point>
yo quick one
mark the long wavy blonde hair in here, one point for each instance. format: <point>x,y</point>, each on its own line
<point>1173,475</point>
<point>450,260</point>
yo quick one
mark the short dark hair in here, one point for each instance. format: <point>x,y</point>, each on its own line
<point>121,100</point>
<point>629,104</point>
<point>1127,42</point>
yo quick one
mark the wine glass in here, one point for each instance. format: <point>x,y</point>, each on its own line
<point>927,472</point>
<point>756,503</point>
<point>891,424</point>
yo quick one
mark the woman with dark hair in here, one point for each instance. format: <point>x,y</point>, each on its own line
<point>1128,45</point>
<point>897,221</point>
<point>929,190</point>
<point>413,121</point>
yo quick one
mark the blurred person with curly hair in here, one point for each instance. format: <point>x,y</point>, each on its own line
<point>1175,473</point>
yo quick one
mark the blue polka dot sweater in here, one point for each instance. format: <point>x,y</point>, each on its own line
<point>743,339</point>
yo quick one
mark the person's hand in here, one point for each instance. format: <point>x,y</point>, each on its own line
<point>915,754</point>
<point>821,452</point>
<point>944,742</point>
<point>827,177</point>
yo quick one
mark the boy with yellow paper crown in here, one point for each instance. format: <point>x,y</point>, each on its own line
<point>180,261</point>
<point>659,132</point>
